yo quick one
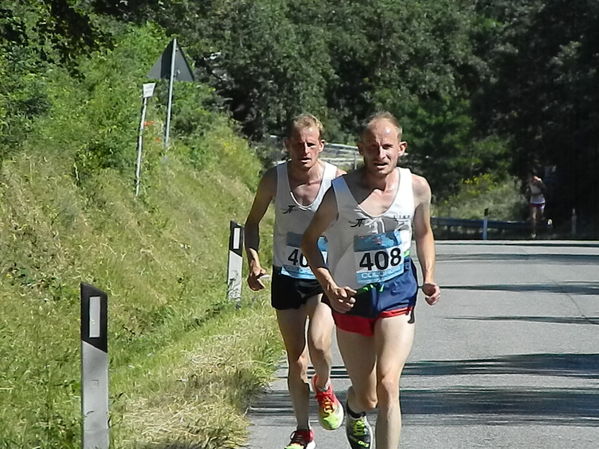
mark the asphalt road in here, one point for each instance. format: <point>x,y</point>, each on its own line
<point>508,359</point>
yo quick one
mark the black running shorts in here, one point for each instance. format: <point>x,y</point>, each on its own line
<point>290,293</point>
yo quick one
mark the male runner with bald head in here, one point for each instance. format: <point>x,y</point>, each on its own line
<point>369,217</point>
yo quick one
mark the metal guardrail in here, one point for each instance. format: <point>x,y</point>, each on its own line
<point>483,225</point>
<point>475,223</point>
<point>346,156</point>
<point>343,155</point>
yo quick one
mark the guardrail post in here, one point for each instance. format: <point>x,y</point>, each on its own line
<point>485,223</point>
<point>235,262</point>
<point>94,367</point>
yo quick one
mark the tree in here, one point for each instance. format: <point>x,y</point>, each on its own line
<point>544,97</point>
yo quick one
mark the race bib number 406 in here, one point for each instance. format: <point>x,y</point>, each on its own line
<point>378,257</point>
<point>295,263</point>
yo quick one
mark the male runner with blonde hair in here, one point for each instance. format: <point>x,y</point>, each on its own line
<point>296,188</point>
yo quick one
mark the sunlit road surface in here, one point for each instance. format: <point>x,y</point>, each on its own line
<point>508,359</point>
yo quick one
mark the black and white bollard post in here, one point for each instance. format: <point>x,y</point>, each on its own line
<point>94,367</point>
<point>235,263</point>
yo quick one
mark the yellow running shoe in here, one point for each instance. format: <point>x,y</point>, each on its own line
<point>330,410</point>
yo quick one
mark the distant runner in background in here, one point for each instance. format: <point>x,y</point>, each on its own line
<point>297,187</point>
<point>536,202</point>
<point>368,217</point>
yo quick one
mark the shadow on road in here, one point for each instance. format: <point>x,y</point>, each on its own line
<point>573,288</point>
<point>536,319</point>
<point>337,372</point>
<point>502,406</point>
<point>469,406</point>
<point>570,259</point>
<point>519,243</point>
<point>476,405</point>
<point>566,365</point>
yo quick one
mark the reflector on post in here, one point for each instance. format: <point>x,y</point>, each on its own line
<point>94,367</point>
<point>235,261</point>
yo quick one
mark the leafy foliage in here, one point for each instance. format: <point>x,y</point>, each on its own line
<point>544,56</point>
<point>480,87</point>
<point>68,214</point>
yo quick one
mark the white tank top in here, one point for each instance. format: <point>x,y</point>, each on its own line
<point>291,220</point>
<point>362,248</point>
<point>536,194</point>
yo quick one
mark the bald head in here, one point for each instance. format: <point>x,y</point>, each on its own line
<point>381,120</point>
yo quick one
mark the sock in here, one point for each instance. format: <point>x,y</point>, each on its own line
<point>352,413</point>
<point>326,388</point>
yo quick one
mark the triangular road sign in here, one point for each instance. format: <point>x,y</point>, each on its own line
<point>162,67</point>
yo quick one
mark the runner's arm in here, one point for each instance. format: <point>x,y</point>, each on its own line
<point>264,195</point>
<point>340,298</point>
<point>425,241</point>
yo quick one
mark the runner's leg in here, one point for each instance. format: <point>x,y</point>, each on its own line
<point>320,333</point>
<point>292,324</point>
<point>393,338</point>
<point>359,356</point>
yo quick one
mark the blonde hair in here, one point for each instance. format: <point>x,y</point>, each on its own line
<point>303,121</point>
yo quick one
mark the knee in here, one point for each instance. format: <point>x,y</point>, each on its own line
<point>387,390</point>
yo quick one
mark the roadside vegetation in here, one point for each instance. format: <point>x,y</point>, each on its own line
<point>502,198</point>
<point>183,359</point>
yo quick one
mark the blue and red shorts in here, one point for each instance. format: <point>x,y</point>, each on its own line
<point>394,297</point>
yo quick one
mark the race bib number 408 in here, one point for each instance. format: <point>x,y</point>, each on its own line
<point>295,263</point>
<point>378,257</point>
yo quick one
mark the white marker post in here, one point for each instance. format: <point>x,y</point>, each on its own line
<point>94,367</point>
<point>235,263</point>
<point>485,223</point>
<point>147,92</point>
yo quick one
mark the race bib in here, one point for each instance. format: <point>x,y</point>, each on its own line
<point>295,263</point>
<point>378,257</point>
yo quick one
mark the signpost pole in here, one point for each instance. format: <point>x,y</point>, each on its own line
<point>170,94</point>
<point>171,65</point>
<point>147,92</point>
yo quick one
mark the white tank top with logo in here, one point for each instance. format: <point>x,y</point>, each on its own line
<point>363,248</point>
<point>291,220</point>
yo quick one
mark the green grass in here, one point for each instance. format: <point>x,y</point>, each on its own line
<point>183,360</point>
